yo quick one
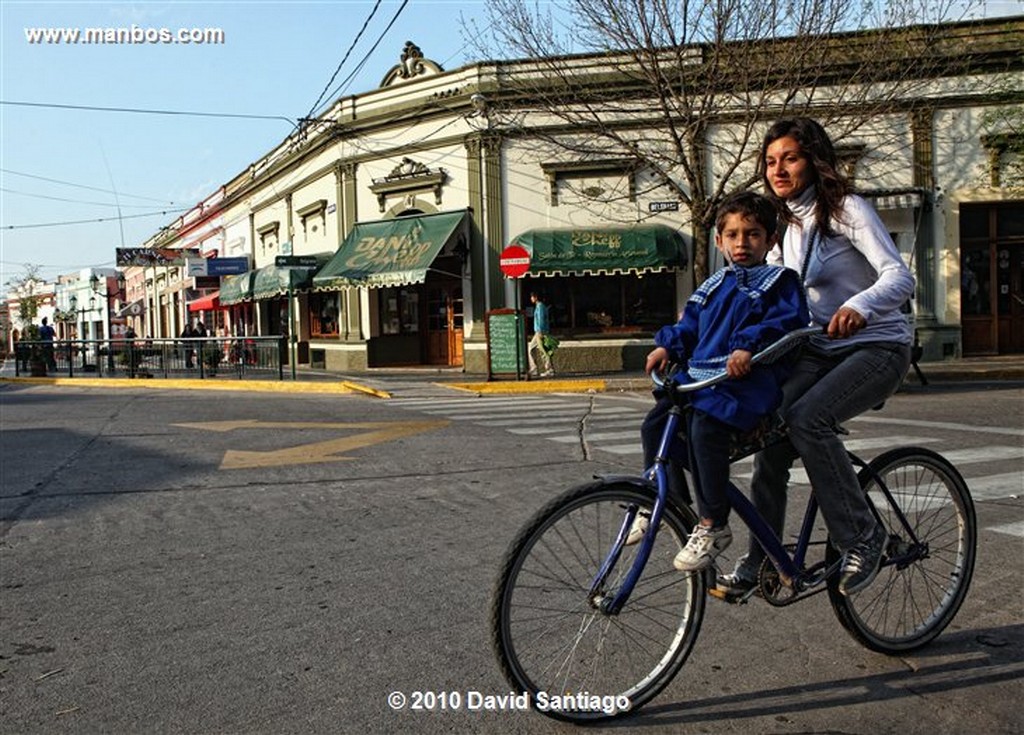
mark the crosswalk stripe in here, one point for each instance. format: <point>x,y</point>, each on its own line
<point>599,436</point>
<point>994,487</point>
<point>633,448</point>
<point>466,400</point>
<point>983,454</point>
<point>616,430</point>
<point>965,428</point>
<point>574,415</point>
<point>470,410</point>
<point>1011,529</point>
<point>533,430</point>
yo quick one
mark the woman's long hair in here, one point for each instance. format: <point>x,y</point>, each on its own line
<point>830,186</point>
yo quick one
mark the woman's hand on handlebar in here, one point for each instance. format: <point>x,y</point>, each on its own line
<point>657,361</point>
<point>845,323</point>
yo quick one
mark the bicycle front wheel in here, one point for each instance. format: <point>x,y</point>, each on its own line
<point>553,641</point>
<point>920,586</point>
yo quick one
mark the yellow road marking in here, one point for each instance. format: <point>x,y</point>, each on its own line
<point>323,451</point>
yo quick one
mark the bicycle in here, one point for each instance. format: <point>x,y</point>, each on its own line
<point>592,628</point>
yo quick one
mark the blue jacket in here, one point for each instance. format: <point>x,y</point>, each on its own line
<point>540,317</point>
<point>737,309</point>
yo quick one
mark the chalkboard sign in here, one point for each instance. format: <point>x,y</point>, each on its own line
<point>505,333</point>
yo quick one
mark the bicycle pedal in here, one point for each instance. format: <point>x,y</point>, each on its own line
<point>731,599</point>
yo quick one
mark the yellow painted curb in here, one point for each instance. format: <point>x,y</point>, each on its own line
<point>340,388</point>
<point>532,386</point>
<point>360,388</point>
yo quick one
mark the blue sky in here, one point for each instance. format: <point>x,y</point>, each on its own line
<point>275,60</point>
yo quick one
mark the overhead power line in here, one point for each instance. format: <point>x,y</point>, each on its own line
<point>347,54</point>
<point>74,201</point>
<point>82,186</point>
<point>366,56</point>
<point>190,113</point>
<point>93,221</point>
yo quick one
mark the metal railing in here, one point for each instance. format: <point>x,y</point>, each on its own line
<point>192,357</point>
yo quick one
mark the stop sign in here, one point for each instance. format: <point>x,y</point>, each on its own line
<point>514,261</point>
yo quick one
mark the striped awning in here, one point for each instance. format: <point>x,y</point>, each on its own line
<point>236,289</point>
<point>894,198</point>
<point>393,252</point>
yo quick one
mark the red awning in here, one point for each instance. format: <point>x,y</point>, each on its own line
<point>206,303</point>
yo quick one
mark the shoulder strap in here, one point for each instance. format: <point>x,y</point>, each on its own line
<point>807,256</point>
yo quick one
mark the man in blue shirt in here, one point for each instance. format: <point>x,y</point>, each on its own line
<point>540,360</point>
<point>47,335</point>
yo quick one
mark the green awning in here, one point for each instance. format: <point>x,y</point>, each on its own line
<point>604,250</point>
<point>392,252</point>
<point>271,281</point>
<point>236,289</point>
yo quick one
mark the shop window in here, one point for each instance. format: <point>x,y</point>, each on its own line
<point>399,310</point>
<point>323,314</point>
<point>607,304</point>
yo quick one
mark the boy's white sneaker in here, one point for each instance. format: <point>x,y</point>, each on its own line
<point>702,548</point>
<point>641,523</point>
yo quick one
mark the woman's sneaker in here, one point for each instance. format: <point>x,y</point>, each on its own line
<point>702,548</point>
<point>732,587</point>
<point>860,564</point>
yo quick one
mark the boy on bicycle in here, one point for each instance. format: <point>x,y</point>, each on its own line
<point>736,312</point>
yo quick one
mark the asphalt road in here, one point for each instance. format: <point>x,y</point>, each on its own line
<point>200,562</point>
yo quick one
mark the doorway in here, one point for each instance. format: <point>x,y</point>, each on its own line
<point>992,278</point>
<point>444,331</point>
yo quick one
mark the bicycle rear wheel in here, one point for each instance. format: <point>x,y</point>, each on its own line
<point>917,591</point>
<point>551,640</point>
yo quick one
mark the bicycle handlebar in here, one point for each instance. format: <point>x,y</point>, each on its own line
<point>776,348</point>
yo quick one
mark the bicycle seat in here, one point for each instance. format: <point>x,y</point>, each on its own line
<point>770,430</point>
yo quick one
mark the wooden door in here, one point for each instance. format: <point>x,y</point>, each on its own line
<point>444,324</point>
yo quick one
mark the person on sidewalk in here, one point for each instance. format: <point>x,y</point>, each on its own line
<point>735,313</point>
<point>540,360</point>
<point>47,335</point>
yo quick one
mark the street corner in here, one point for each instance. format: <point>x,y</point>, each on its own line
<point>564,385</point>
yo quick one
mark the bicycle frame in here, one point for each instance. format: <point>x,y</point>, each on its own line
<point>791,567</point>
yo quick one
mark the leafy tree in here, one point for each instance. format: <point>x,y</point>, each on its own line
<point>685,88</point>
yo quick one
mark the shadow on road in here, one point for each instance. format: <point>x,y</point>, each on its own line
<point>994,656</point>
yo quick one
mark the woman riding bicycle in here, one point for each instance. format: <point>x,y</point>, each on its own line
<point>856,283</point>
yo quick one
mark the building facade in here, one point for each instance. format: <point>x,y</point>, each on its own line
<point>374,234</point>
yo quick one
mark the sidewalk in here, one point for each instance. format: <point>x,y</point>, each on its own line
<point>425,382</point>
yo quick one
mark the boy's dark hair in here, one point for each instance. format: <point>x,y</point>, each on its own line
<point>748,204</point>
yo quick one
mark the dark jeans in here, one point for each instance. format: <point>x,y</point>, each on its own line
<point>678,455</point>
<point>701,447</point>
<point>823,391</point>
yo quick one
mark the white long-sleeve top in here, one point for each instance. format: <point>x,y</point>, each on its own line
<point>859,267</point>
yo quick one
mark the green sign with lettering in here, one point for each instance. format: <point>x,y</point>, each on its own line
<point>506,343</point>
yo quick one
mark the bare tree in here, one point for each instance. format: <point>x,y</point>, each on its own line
<point>1003,136</point>
<point>25,287</point>
<point>685,88</point>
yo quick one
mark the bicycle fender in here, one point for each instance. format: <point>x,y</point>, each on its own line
<point>628,480</point>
